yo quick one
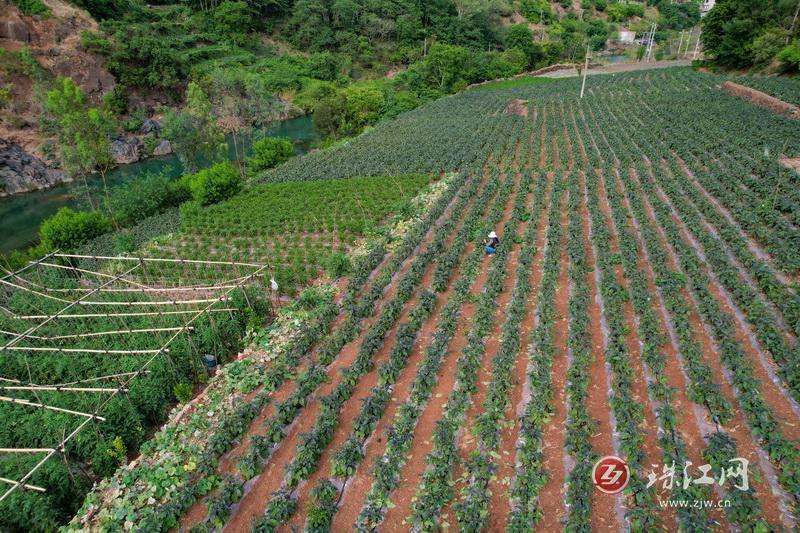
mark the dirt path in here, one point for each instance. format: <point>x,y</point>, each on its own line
<point>607,510</point>
<point>468,441</point>
<point>618,67</point>
<point>652,451</point>
<point>500,504</point>
<point>259,490</point>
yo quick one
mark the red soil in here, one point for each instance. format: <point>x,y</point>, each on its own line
<point>416,464</point>
<point>552,495</point>
<point>353,406</point>
<point>653,453</point>
<point>762,99</point>
<point>737,428</point>
<point>604,506</point>
<point>500,504</point>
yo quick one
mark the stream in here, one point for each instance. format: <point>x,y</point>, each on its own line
<point>21,214</point>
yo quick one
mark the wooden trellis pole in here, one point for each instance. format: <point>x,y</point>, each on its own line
<point>84,350</point>
<point>23,485</point>
<point>57,388</point>
<point>28,403</point>
<point>112,315</point>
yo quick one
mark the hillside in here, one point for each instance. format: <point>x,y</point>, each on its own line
<point>258,62</point>
<point>642,303</point>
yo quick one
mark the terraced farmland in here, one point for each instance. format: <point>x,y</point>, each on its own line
<point>643,303</point>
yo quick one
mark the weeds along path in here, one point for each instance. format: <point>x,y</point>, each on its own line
<point>374,395</point>
<point>294,388</point>
<point>423,437</point>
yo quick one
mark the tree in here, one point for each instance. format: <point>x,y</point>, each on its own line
<point>520,36</point>
<point>68,229</point>
<point>269,152</point>
<point>444,65</point>
<point>84,132</point>
<point>233,21</point>
<point>193,132</point>
<point>731,29</point>
<point>215,183</point>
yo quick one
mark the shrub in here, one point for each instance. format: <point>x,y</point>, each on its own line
<point>790,56</point>
<point>134,200</point>
<point>337,265</point>
<point>68,229</point>
<point>215,184</point>
<point>269,152</point>
<point>32,7</point>
<point>183,392</point>
<point>95,42</point>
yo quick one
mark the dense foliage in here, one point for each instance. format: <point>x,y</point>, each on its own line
<point>746,33</point>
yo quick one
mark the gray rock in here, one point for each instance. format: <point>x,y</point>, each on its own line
<point>125,151</point>
<point>15,30</point>
<point>150,126</point>
<point>23,172</point>
<point>163,148</point>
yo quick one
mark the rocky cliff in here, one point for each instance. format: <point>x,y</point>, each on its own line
<point>23,172</point>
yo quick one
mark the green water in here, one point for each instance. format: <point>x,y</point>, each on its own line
<point>21,214</point>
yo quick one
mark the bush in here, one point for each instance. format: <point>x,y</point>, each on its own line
<point>183,392</point>
<point>32,7</point>
<point>95,42</point>
<point>337,265</point>
<point>68,229</point>
<point>146,196</point>
<point>790,56</point>
<point>269,152</point>
<point>215,184</point>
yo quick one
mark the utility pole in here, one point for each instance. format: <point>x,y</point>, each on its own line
<point>696,46</point>
<point>585,70</point>
<point>794,22</point>
<point>651,41</point>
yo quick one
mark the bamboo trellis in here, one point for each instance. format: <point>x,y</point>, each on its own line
<point>142,326</point>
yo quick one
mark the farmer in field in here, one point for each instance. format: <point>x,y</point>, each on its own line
<point>491,242</point>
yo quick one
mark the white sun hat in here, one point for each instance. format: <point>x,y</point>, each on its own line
<point>492,235</point>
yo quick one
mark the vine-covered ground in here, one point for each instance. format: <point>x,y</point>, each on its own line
<point>643,303</point>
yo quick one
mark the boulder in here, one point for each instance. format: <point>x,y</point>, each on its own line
<point>23,172</point>
<point>15,30</point>
<point>125,151</point>
<point>150,126</point>
<point>163,148</point>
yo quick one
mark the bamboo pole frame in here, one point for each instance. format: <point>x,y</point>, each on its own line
<point>28,403</point>
<point>56,388</point>
<point>97,333</point>
<point>26,450</point>
<point>84,350</point>
<point>22,483</point>
<point>161,260</point>
<point>34,328</point>
<point>114,315</point>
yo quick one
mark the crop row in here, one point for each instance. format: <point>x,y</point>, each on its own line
<point>312,444</point>
<point>357,307</point>
<point>530,476</point>
<point>387,468</point>
<point>436,487</point>
<point>472,509</point>
<point>347,457</point>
